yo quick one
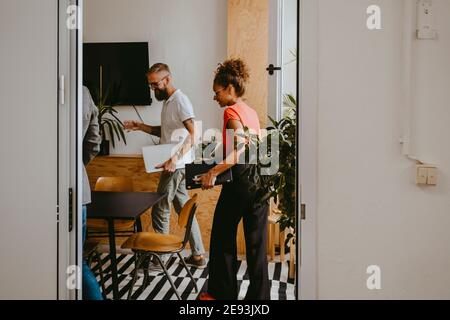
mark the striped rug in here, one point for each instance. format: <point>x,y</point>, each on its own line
<point>282,288</point>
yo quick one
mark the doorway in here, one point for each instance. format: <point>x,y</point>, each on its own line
<point>265,33</point>
<point>271,48</point>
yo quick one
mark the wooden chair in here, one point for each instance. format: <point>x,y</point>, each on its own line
<point>149,244</point>
<point>274,226</point>
<point>98,227</point>
<point>292,251</point>
<point>274,216</point>
<point>273,229</point>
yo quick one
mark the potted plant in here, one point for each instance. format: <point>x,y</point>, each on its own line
<point>109,123</point>
<point>281,186</point>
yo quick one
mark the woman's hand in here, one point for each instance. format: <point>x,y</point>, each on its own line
<point>208,180</point>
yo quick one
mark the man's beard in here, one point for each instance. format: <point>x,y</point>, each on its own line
<point>161,95</point>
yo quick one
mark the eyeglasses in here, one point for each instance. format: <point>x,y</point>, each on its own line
<point>217,92</point>
<point>154,85</point>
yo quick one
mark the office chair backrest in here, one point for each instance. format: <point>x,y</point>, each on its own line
<point>114,184</point>
<point>187,215</point>
<point>183,217</point>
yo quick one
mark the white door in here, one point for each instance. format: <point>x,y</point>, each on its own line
<point>307,161</point>
<point>29,142</point>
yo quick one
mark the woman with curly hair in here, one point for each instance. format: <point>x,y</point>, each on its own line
<point>236,202</point>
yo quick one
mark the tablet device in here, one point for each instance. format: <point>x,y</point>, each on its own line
<point>194,171</point>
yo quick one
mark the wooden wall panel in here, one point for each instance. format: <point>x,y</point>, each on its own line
<point>248,38</point>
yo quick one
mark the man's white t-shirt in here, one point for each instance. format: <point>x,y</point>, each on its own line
<point>177,109</point>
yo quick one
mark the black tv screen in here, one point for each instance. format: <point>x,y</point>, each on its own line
<point>120,69</point>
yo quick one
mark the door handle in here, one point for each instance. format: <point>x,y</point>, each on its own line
<point>70,209</point>
<point>271,69</point>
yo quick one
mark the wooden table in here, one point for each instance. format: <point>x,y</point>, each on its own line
<point>112,206</point>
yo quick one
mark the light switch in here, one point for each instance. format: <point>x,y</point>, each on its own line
<point>426,174</point>
<point>422,175</point>
<point>432,176</point>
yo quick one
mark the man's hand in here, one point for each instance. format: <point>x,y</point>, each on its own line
<point>132,125</point>
<point>168,166</point>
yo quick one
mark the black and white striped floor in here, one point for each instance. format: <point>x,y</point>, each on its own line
<point>282,288</point>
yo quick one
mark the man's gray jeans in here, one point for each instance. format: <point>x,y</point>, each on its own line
<point>174,185</point>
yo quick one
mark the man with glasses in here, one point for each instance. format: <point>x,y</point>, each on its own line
<point>177,113</point>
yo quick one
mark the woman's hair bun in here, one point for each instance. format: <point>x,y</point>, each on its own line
<point>236,67</point>
<point>233,72</point>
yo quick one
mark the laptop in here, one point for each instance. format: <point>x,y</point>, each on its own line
<point>158,154</point>
<point>194,171</point>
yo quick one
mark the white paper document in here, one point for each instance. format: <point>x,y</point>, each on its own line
<point>158,154</point>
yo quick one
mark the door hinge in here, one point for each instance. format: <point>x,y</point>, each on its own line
<point>70,209</point>
<point>271,69</point>
<point>61,91</point>
<point>303,211</point>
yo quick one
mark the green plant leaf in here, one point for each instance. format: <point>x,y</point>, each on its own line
<point>116,131</point>
<point>274,122</point>
<point>122,134</point>
<point>108,120</point>
<point>111,133</point>
<point>282,185</point>
<point>117,119</point>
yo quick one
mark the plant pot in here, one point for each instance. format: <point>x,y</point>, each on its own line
<point>104,148</point>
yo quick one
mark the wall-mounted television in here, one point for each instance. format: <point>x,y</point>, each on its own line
<point>119,70</point>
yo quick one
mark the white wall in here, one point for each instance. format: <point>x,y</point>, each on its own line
<point>190,36</point>
<point>369,209</point>
<point>29,162</point>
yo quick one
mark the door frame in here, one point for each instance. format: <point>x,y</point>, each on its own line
<point>308,159</point>
<point>306,278</point>
<point>70,154</point>
<point>275,57</point>
<point>306,273</point>
<point>77,65</point>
